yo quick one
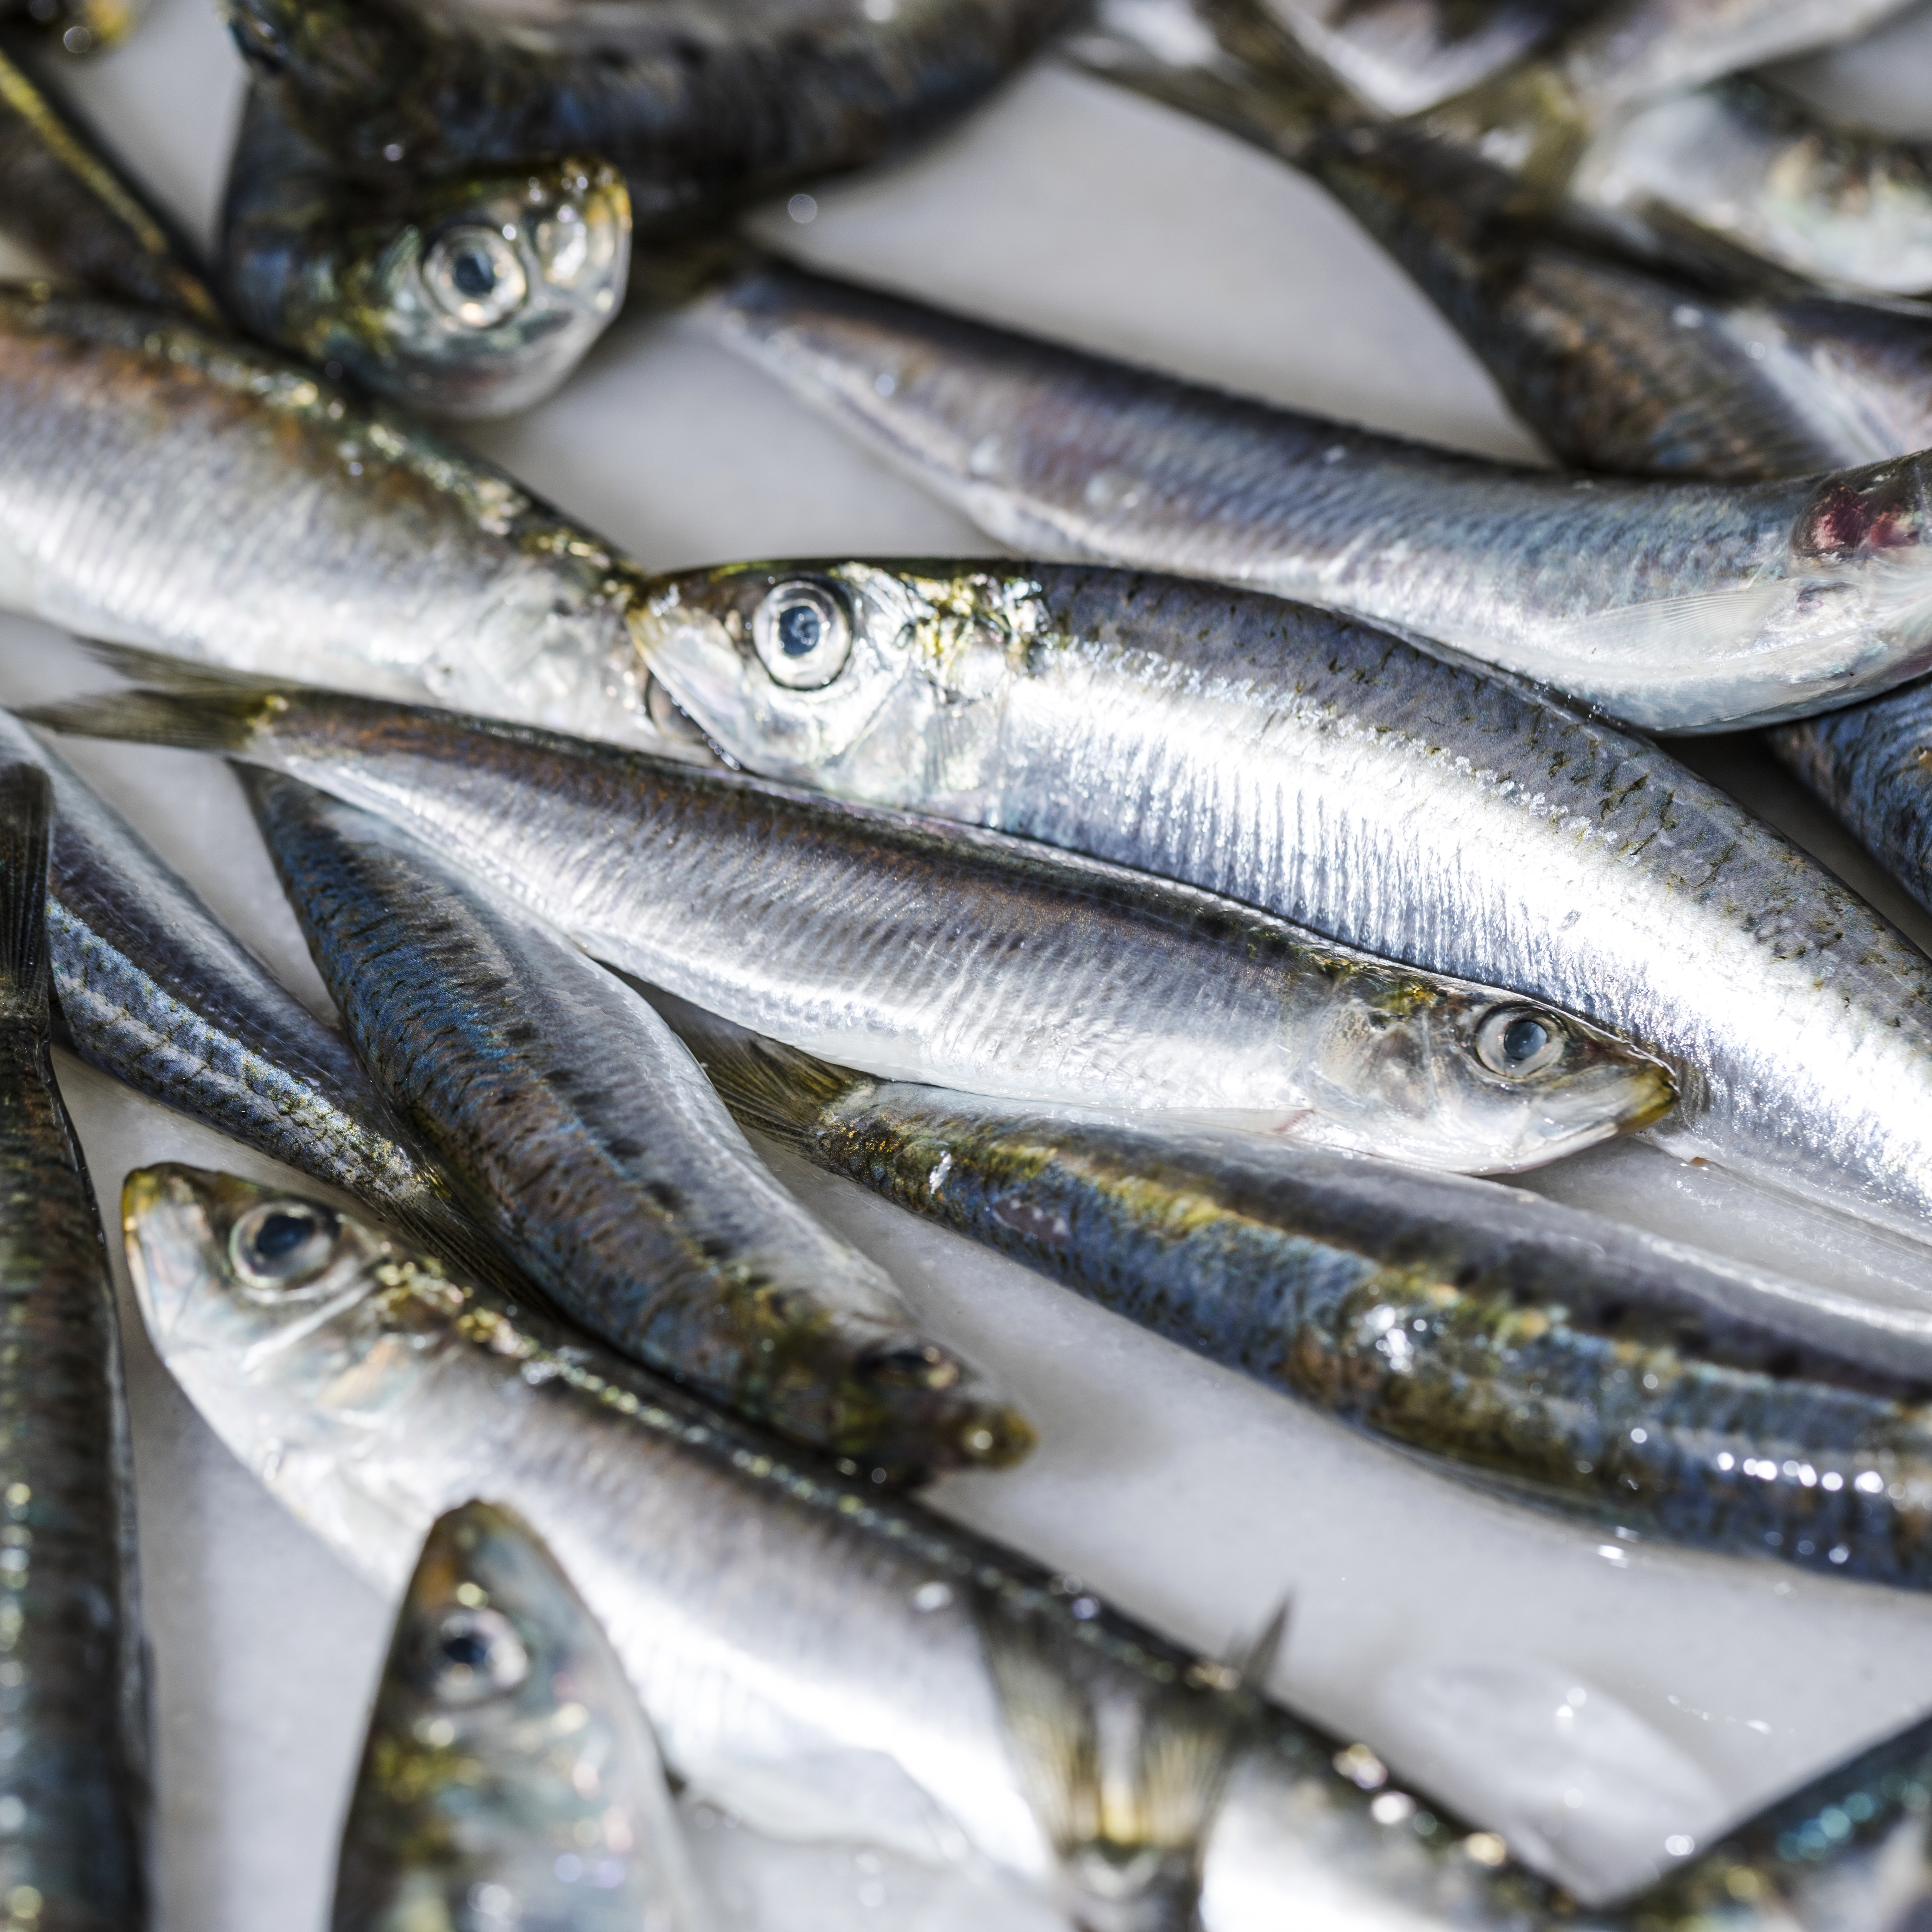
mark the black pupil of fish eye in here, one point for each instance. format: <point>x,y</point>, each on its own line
<point>473,272</point>
<point>467,1648</point>
<point>800,630</point>
<point>1524,1039</point>
<point>280,1234</point>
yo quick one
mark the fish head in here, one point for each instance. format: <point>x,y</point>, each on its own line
<point>879,682</point>
<point>1860,565</point>
<point>507,1761</point>
<point>491,292</point>
<point>1439,1075</point>
<point>297,1330</point>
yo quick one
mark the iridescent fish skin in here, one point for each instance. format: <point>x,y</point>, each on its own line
<point>74,1787</point>
<point>475,295</point>
<point>162,486</point>
<point>929,951</point>
<point>712,105</point>
<point>1292,760</point>
<point>1674,606</point>
<point>579,1131</point>
<point>506,1750</point>
<point>1556,1352</point>
<point>75,207</point>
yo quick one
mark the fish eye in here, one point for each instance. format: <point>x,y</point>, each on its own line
<point>802,634</point>
<point>474,275</point>
<point>282,1243</point>
<point>474,1653</point>
<point>1516,1042</point>
<point>908,1365</point>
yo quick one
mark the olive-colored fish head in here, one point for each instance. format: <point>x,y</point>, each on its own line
<point>847,675</point>
<point>1441,1075</point>
<point>491,291</point>
<point>508,1777</point>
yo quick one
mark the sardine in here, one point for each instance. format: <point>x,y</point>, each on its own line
<point>1674,606</point>
<point>162,485</point>
<point>1298,762</point>
<point>472,296</point>
<point>710,107</point>
<point>579,1131</point>
<point>151,988</point>
<point>1717,367</point>
<point>829,1662</point>
<point>508,1777</point>
<point>73,1783</point>
<point>1571,1358</point>
<point>69,201</point>
<point>926,951</point>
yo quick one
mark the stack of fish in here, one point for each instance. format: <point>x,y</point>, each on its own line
<point>1191,908</point>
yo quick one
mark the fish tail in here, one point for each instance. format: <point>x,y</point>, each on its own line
<point>206,721</point>
<point>26,822</point>
<point>776,1090</point>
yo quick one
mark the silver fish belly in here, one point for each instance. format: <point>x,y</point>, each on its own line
<point>1673,606</point>
<point>1290,759</point>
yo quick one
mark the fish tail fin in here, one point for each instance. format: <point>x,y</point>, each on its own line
<point>1124,1776</point>
<point>776,1090</point>
<point>162,670</point>
<point>205,721</point>
<point>26,826</point>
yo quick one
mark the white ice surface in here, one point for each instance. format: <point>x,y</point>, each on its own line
<point>1594,1695</point>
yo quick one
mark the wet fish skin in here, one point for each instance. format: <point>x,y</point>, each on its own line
<point>579,1131</point>
<point>504,1729</point>
<point>162,486</point>
<point>472,296</point>
<point>1680,606</point>
<point>1562,1355</point>
<point>1292,760</point>
<point>719,107</point>
<point>75,1786</point>
<point>934,951</point>
<point>74,206</point>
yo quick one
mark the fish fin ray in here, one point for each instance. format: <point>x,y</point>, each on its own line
<point>776,1090</point>
<point>1659,633</point>
<point>162,670</point>
<point>26,826</point>
<point>206,721</point>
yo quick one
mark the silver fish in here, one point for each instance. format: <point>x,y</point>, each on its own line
<point>164,486</point>
<point>73,1780</point>
<point>1674,606</point>
<point>924,951</point>
<point>508,1777</point>
<point>579,1131</point>
<point>471,295</point>
<point>1294,761</point>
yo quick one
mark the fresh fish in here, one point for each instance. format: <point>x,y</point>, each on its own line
<point>580,1133</point>
<point>1775,175</point>
<point>828,1661</point>
<point>1674,606</point>
<point>927,952</point>
<point>75,26</point>
<point>162,485</point>
<point>153,990</point>
<point>1716,368</point>
<point>1298,762</point>
<point>67,201</point>
<point>703,107</point>
<point>473,296</point>
<point>1559,1353</point>
<point>508,1777</point>
<point>73,1784</point>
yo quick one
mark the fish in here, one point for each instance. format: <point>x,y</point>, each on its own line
<point>474,295</point>
<point>578,1131</point>
<point>1669,606</point>
<point>1566,1358</point>
<point>71,203</point>
<point>1298,762</point>
<point>926,950</point>
<point>508,1774</point>
<point>75,1790</point>
<point>1708,365</point>
<point>163,485</point>
<point>152,989</point>
<point>829,1661</point>
<point>704,109</point>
